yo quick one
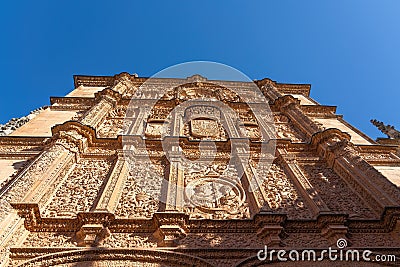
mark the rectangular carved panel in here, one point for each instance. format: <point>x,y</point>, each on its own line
<point>80,189</point>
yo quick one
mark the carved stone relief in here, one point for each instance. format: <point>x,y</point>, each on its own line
<point>18,191</point>
<point>79,191</point>
<point>335,192</point>
<point>19,148</point>
<point>222,240</point>
<point>216,212</point>
<point>18,167</point>
<point>110,128</point>
<point>78,115</point>
<point>50,239</point>
<point>141,192</point>
<point>252,131</point>
<point>204,129</point>
<point>214,192</point>
<point>285,129</point>
<point>113,263</point>
<point>114,123</point>
<point>126,240</point>
<point>282,195</point>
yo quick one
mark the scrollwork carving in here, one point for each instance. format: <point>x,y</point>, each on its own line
<point>80,189</point>
<point>126,240</point>
<point>281,193</point>
<point>335,192</point>
<point>140,195</point>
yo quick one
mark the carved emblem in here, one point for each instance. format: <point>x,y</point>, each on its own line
<point>204,128</point>
<point>154,129</point>
<point>216,195</point>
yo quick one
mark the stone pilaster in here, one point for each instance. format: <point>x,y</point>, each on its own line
<point>175,185</point>
<point>303,186</point>
<point>114,187</point>
<point>266,124</point>
<point>94,116</point>
<point>107,99</point>
<point>364,180</point>
<point>254,184</point>
<point>29,185</point>
<point>138,127</point>
<point>290,106</point>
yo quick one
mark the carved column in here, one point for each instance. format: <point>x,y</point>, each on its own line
<point>333,227</point>
<point>94,116</point>
<point>44,186</point>
<point>15,236</point>
<point>266,125</point>
<point>367,182</point>
<point>177,122</point>
<point>30,185</point>
<point>107,99</point>
<point>289,106</point>
<point>137,128</point>
<point>302,184</point>
<point>254,188</point>
<point>114,187</point>
<point>175,186</point>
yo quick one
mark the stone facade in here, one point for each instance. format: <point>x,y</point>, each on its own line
<point>69,196</point>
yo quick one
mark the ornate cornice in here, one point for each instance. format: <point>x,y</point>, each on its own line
<point>285,88</point>
<point>109,81</point>
<point>95,81</point>
<point>319,111</point>
<point>328,135</point>
<point>71,103</point>
<point>78,133</point>
<point>35,223</point>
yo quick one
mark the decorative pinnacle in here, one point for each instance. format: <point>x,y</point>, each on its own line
<point>389,130</point>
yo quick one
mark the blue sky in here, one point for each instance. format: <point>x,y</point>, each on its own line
<point>348,50</point>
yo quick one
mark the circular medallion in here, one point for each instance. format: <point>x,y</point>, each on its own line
<point>211,194</point>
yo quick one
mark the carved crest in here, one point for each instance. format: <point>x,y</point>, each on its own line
<point>203,128</point>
